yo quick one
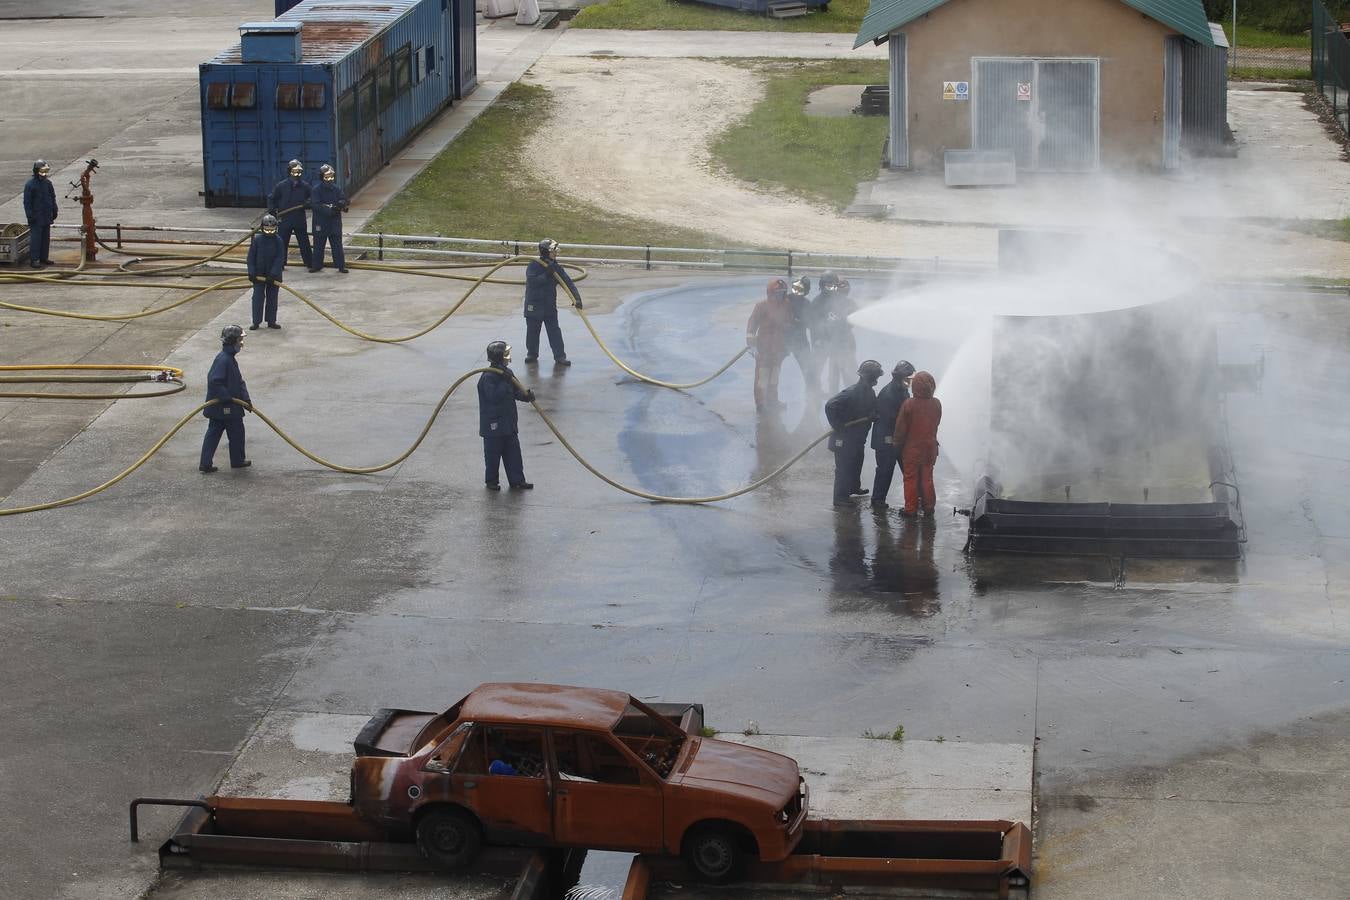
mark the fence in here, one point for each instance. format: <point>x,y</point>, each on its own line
<point>1279,62</point>
<point>381,247</point>
<point>1331,63</point>
<point>792,262</point>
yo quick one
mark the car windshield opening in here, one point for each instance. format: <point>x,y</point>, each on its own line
<point>655,739</point>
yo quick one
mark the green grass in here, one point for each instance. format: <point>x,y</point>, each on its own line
<point>475,188</point>
<point>1259,37</point>
<point>1269,73</point>
<point>780,148</point>
<point>843,16</point>
<point>897,735</point>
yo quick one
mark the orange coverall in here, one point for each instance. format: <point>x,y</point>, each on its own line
<point>915,440</point>
<point>767,333</point>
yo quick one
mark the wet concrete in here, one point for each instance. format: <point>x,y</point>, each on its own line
<point>345,593</point>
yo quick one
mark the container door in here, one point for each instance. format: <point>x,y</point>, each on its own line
<point>300,105</point>
<point>365,155</point>
<point>1065,100</point>
<point>466,48</point>
<point>1003,115</point>
<point>390,133</point>
<point>1172,66</point>
<point>236,160</point>
<point>899,102</point>
<point>1044,111</point>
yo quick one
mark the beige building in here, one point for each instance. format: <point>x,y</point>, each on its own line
<point>1054,85</point>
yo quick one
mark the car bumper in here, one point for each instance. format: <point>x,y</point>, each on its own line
<point>791,834</point>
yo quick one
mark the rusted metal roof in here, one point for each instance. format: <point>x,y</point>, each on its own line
<point>545,704</point>
<point>334,28</point>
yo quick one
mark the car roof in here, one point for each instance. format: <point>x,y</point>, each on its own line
<point>545,704</point>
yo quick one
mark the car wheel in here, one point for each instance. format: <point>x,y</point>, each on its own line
<point>450,838</point>
<point>714,853</point>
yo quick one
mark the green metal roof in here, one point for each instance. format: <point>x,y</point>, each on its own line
<point>1185,16</point>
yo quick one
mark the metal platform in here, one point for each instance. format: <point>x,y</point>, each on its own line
<point>313,834</point>
<point>948,858</point>
<point>1141,530</point>
<point>958,858</point>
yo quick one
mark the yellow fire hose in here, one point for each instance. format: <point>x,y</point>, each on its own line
<point>156,374</point>
<point>678,386</point>
<point>235,283</point>
<point>366,470</point>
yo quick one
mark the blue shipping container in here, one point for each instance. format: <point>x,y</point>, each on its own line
<point>371,74</point>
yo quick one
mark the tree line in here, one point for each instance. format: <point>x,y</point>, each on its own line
<point>1288,16</point>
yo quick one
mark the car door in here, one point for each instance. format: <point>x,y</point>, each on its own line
<point>603,797</point>
<point>501,776</point>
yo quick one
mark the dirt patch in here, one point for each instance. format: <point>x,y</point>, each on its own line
<point>632,136</point>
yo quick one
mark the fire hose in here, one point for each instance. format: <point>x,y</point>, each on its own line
<point>367,470</point>
<point>238,282</point>
<point>132,374</point>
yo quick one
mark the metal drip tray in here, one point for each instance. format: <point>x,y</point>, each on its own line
<point>1167,530</point>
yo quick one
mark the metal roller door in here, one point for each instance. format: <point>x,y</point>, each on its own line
<point>1044,110</point>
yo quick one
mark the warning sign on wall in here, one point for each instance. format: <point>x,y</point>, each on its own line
<point>956,90</point>
<point>1024,90</point>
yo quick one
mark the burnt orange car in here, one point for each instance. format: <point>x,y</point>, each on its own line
<point>548,765</point>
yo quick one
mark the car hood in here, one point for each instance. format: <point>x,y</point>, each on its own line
<point>723,765</point>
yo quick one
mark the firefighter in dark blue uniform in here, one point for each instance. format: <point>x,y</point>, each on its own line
<point>329,203</point>
<point>266,262</point>
<point>224,383</point>
<point>39,207</point>
<point>849,442</point>
<point>289,200</point>
<point>889,400</point>
<point>497,420</point>
<point>541,303</point>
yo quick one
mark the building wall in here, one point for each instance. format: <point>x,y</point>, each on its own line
<point>942,44</point>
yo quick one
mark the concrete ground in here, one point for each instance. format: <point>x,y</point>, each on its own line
<point>1286,168</point>
<point>177,615</point>
<point>1190,725</point>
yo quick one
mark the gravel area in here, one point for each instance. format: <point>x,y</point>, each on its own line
<point>633,137</point>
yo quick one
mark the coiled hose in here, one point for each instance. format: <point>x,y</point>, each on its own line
<point>48,375</point>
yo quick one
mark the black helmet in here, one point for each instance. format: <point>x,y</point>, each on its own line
<point>40,167</point>
<point>231,334</point>
<point>903,369</point>
<point>801,285</point>
<point>295,168</point>
<point>268,224</point>
<point>870,369</point>
<point>548,248</point>
<point>498,353</point>
<point>829,281</point>
<point>327,172</point>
